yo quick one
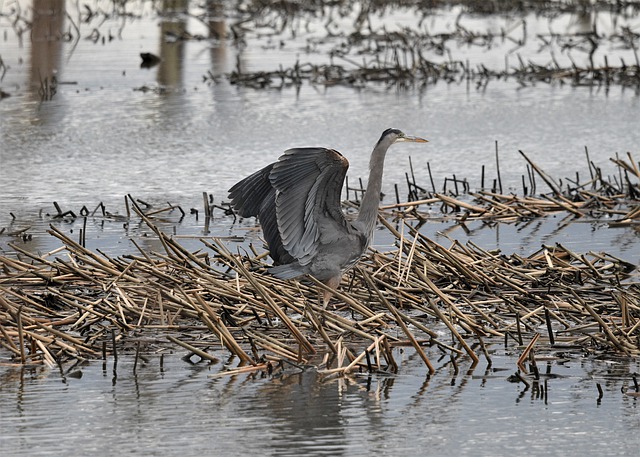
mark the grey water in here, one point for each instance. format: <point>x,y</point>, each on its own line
<point>166,134</point>
<point>180,409</point>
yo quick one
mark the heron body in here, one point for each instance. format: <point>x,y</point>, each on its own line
<point>297,201</point>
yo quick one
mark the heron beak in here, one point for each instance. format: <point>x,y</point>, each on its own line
<point>412,139</point>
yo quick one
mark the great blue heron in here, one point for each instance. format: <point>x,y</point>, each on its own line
<point>297,200</point>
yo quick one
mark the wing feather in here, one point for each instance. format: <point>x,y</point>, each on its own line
<point>255,196</point>
<point>308,183</point>
<point>295,199</point>
<point>248,195</point>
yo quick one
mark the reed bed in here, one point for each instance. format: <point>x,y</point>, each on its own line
<point>614,197</point>
<point>414,70</point>
<point>419,57</point>
<point>77,304</point>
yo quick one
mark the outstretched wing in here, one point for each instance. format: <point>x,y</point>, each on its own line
<point>255,196</point>
<point>308,184</point>
<point>248,196</point>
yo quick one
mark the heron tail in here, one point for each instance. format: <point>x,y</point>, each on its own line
<point>288,271</point>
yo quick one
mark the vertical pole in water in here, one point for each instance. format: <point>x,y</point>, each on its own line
<point>498,168</point>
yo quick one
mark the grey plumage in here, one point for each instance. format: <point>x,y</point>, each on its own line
<point>297,200</point>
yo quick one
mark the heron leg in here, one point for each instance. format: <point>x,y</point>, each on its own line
<point>333,284</point>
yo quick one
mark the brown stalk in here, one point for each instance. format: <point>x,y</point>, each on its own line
<point>226,337</point>
<point>399,321</point>
<point>525,354</point>
<point>195,350</point>
<point>275,308</point>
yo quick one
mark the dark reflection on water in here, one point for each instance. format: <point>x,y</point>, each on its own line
<point>306,415</point>
<point>46,47</point>
<point>182,411</point>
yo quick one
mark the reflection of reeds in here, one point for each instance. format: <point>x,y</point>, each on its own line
<point>371,54</point>
<point>420,72</point>
<point>3,68</point>
<point>48,88</point>
<point>76,306</point>
<point>416,57</point>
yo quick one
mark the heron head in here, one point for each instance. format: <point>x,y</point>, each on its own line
<point>397,136</point>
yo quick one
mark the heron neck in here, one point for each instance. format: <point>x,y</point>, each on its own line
<point>368,215</point>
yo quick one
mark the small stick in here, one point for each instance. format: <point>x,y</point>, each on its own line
<point>23,358</point>
<point>525,353</point>
<point>524,381</point>
<point>498,168</point>
<point>518,328</point>
<point>192,349</point>
<point>552,185</point>
<point>126,206</point>
<point>600,393</point>
<point>207,208</point>
<point>433,186</point>
<point>484,351</point>
<point>549,329</point>
<point>241,370</point>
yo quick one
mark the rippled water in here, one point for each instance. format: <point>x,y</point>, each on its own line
<point>181,410</point>
<point>99,139</point>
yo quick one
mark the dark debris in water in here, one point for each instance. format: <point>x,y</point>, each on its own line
<point>149,60</point>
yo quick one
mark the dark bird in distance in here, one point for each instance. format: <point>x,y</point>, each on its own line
<point>297,201</point>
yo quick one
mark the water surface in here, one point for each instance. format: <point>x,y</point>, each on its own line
<point>182,410</point>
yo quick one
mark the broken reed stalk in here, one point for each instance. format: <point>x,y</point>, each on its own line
<point>276,309</point>
<point>193,349</point>
<point>399,321</point>
<point>215,324</point>
<point>357,360</point>
<point>616,342</point>
<point>443,318</point>
<point>546,178</point>
<point>525,354</point>
<point>241,370</point>
<point>23,357</point>
<point>317,323</point>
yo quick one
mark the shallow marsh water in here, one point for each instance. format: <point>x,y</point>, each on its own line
<point>181,410</point>
<point>99,138</point>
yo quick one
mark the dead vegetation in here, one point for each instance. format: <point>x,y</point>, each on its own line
<point>363,50</point>
<point>75,304</point>
<point>613,197</point>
